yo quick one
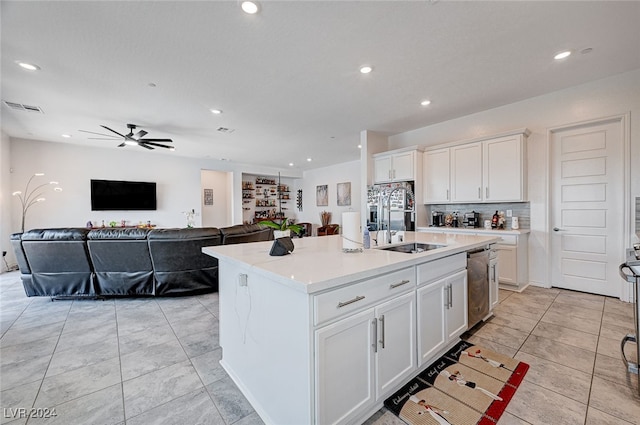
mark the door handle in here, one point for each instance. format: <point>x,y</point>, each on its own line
<point>556,229</point>
<point>381,319</point>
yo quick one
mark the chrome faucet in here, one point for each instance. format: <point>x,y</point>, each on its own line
<point>389,193</point>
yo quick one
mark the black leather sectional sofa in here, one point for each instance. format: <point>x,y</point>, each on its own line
<point>107,262</point>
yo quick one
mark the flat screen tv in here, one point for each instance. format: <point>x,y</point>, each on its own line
<point>115,195</point>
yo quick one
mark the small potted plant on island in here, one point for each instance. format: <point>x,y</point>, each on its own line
<point>283,228</point>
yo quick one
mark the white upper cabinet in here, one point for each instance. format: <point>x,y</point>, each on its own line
<point>395,167</point>
<point>504,169</point>
<point>437,188</point>
<point>466,173</point>
<point>491,170</point>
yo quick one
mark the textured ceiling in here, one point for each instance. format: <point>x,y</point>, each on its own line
<point>287,78</point>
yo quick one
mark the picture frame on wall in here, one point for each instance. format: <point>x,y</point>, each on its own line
<point>208,196</point>
<point>343,192</point>
<point>322,195</point>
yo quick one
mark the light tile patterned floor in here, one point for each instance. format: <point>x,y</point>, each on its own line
<point>155,361</point>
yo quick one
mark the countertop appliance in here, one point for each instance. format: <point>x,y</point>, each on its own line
<point>478,285</point>
<point>472,219</point>
<point>632,264</point>
<point>437,219</point>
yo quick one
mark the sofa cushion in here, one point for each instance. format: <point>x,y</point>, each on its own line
<point>59,261</point>
<point>64,234</point>
<point>119,233</point>
<point>179,265</point>
<point>243,233</point>
<point>121,261</point>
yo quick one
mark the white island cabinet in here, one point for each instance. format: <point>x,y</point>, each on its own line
<point>323,337</point>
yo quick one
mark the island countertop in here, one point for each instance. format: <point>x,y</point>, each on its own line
<point>318,263</point>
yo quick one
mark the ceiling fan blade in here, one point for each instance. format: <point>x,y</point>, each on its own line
<point>139,134</point>
<point>156,140</point>
<point>156,144</point>
<point>102,138</point>
<point>144,145</point>
<point>113,131</point>
<point>99,134</point>
<point>122,145</point>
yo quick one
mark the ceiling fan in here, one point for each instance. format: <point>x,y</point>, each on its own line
<point>133,139</point>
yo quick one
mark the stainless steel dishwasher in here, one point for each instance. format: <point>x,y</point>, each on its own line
<point>478,285</point>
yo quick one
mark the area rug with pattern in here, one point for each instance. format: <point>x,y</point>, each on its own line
<point>468,385</point>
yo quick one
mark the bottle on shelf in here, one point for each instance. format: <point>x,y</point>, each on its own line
<point>494,220</point>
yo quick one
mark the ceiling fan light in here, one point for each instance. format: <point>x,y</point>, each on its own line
<point>130,142</point>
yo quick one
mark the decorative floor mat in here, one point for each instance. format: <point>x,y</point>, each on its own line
<point>468,385</point>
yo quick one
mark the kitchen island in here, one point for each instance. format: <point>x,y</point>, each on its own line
<point>322,337</point>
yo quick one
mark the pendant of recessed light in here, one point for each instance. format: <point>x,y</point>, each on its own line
<point>250,7</point>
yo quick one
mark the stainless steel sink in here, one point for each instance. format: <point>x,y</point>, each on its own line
<point>412,248</point>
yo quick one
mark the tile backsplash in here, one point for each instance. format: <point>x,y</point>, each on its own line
<point>519,209</point>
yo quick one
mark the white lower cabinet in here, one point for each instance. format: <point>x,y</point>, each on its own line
<point>363,357</point>
<point>442,313</point>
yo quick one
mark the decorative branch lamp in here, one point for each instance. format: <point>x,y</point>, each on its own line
<point>32,196</point>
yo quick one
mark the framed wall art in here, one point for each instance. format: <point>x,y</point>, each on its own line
<point>344,194</point>
<point>208,196</point>
<point>322,195</point>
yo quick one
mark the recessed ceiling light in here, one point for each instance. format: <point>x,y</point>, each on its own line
<point>216,111</point>
<point>66,136</point>
<point>308,159</point>
<point>366,69</point>
<point>425,103</point>
<point>291,164</point>
<point>28,66</point>
<point>152,85</point>
<point>359,146</point>
<point>250,7</point>
<point>562,55</point>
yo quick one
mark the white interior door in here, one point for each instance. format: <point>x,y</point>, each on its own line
<point>587,210</point>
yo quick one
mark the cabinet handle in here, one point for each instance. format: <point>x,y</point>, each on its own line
<point>355,300</point>
<point>486,192</point>
<point>479,193</point>
<point>381,319</point>
<point>446,304</point>
<point>450,295</point>
<point>447,194</point>
<point>374,323</point>
<point>395,285</point>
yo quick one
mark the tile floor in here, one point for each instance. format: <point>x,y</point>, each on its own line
<point>149,361</point>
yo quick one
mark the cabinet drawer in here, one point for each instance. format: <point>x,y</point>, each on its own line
<point>509,240</point>
<point>350,298</point>
<point>433,270</point>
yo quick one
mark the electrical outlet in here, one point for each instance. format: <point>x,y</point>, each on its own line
<point>509,213</point>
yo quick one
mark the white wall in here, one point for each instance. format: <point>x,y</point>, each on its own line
<point>5,200</point>
<point>607,97</point>
<point>178,182</point>
<point>219,214</point>
<point>331,176</point>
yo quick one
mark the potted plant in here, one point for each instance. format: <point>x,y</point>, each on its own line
<point>283,228</point>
